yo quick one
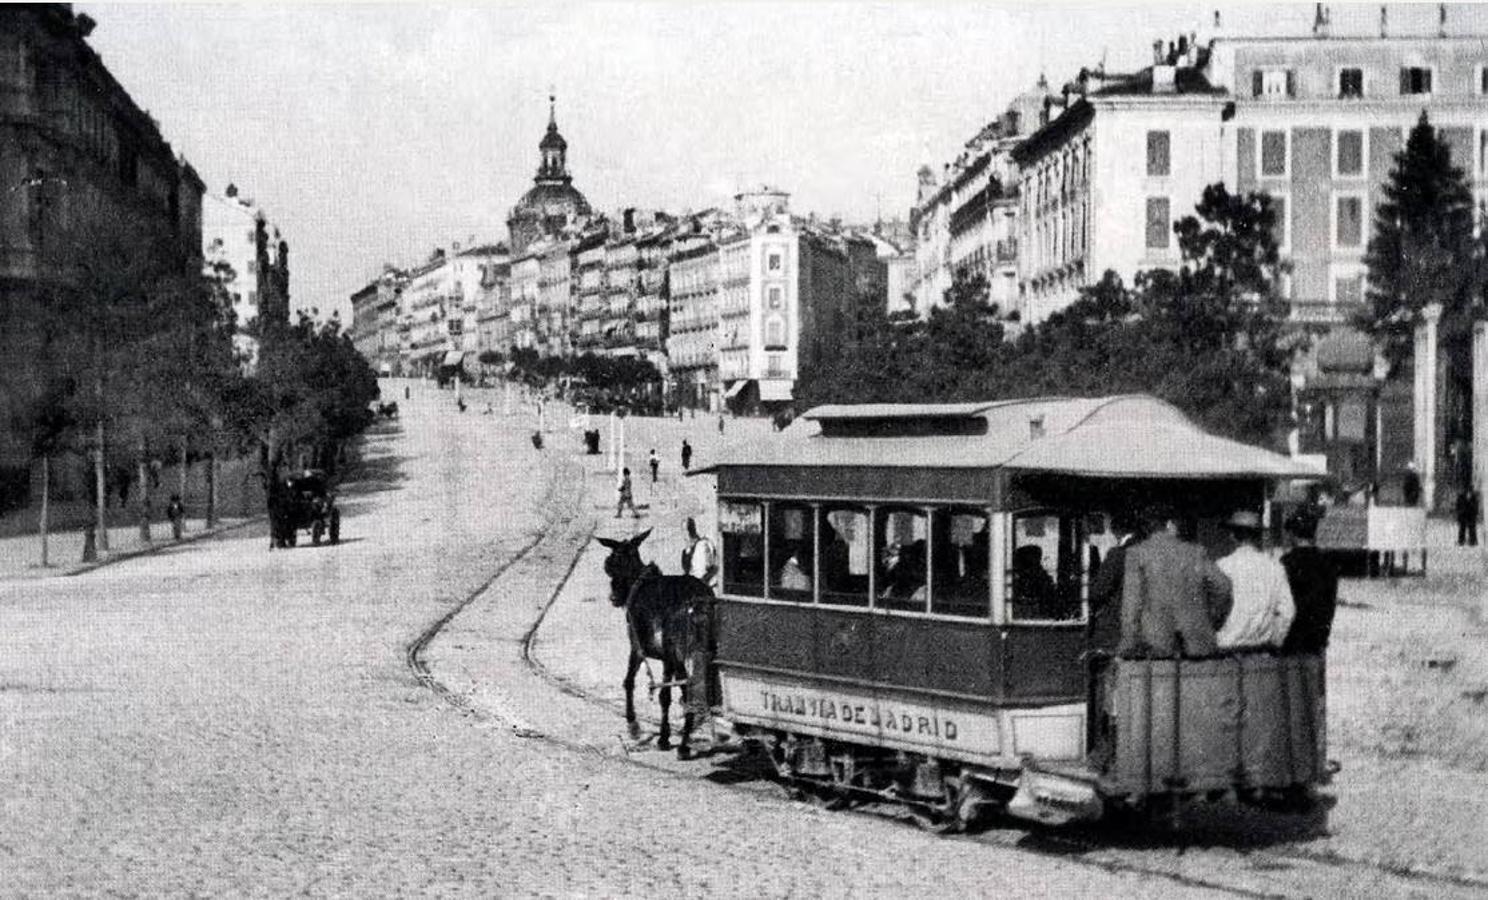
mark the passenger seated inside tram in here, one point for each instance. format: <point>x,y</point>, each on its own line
<point>904,570</point>
<point>1034,593</point>
<point>792,577</point>
<point>836,568</point>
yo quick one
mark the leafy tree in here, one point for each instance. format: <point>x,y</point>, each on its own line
<point>1422,249</point>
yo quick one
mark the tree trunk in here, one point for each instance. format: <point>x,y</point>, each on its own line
<point>46,497</point>
<point>212,488</point>
<point>102,482</point>
<point>144,496</point>
<point>185,470</point>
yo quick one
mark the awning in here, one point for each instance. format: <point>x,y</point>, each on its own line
<point>453,357</point>
<point>775,390</point>
<point>734,391</point>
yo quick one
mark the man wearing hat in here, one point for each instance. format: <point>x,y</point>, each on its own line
<point>1314,583</point>
<point>1263,607</point>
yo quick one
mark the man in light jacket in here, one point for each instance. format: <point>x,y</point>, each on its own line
<point>1263,608</point>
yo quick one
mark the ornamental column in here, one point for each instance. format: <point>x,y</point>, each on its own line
<point>1480,407</point>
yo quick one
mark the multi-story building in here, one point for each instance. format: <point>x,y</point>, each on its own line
<point>692,315</point>
<point>244,249</point>
<point>651,312</point>
<point>1101,184</point>
<point>964,223</point>
<point>587,283</point>
<point>621,261</point>
<point>431,302</point>
<point>492,320</point>
<point>77,157</point>
<point>522,310</point>
<point>554,301</point>
<point>474,275</point>
<point>374,321</point>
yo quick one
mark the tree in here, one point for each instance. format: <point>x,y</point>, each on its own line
<point>1206,337</point>
<point>1422,250</point>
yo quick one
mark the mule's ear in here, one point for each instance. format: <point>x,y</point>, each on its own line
<point>640,538</point>
<point>606,542</point>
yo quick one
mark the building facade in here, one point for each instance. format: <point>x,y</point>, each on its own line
<point>77,157</point>
<point>245,249</point>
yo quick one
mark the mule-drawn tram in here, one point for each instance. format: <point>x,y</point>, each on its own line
<point>904,613</point>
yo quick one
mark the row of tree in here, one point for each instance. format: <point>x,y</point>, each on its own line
<point>136,365</point>
<point>1207,336</point>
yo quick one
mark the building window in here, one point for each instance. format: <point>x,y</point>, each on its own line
<point>1281,229</point>
<point>1273,83</point>
<point>253,298</point>
<point>1273,155</point>
<point>1158,226</point>
<point>1415,80</point>
<point>1158,153</point>
<point>1351,82</point>
<point>1348,289</point>
<point>1349,159</point>
<point>774,333</point>
<point>1483,79</point>
<point>776,297</point>
<point>773,262</point>
<point>1348,222</point>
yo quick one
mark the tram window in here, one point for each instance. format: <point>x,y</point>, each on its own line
<point>959,563</point>
<point>740,526</point>
<point>1046,567</point>
<point>792,551</point>
<point>899,551</point>
<point>844,556</point>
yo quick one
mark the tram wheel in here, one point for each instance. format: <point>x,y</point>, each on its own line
<point>825,796</point>
<point>935,820</point>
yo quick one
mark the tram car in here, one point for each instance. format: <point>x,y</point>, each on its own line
<point>904,614</point>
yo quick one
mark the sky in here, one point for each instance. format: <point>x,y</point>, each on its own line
<point>376,133</point>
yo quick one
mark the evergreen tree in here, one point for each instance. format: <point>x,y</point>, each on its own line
<point>1422,250</point>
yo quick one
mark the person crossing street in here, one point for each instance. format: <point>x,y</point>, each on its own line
<point>627,496</point>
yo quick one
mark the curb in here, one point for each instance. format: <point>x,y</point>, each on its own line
<point>124,555</point>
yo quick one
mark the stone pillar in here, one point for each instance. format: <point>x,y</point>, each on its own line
<point>1424,397</point>
<point>1480,405</point>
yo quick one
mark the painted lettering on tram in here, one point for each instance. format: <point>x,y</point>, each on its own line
<point>825,708</point>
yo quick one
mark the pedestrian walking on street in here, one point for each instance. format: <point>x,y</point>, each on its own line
<point>720,423</point>
<point>176,512</point>
<point>1469,505</point>
<point>654,462</point>
<point>686,456</point>
<point>627,497</point>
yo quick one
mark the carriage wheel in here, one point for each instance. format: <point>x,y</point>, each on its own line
<point>336,527</point>
<point>315,532</point>
<point>824,795</point>
<point>952,815</point>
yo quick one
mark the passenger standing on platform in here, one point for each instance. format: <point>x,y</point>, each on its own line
<point>1173,597</point>
<point>1105,590</point>
<point>1468,509</point>
<point>1314,583</point>
<point>698,558</point>
<point>1263,609</point>
<point>654,462</point>
<point>627,496</point>
<point>686,455</point>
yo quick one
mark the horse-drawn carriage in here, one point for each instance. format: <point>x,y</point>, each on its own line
<point>904,614</point>
<point>303,502</point>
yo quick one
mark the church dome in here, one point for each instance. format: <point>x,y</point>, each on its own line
<point>549,198</point>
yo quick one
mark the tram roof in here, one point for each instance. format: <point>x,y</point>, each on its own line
<point>1128,436</point>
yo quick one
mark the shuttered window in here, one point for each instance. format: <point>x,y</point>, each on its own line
<point>1159,153</point>
<point>1274,153</point>
<point>1351,82</point>
<point>1349,222</point>
<point>1350,153</point>
<point>1415,80</point>
<point>1157,223</point>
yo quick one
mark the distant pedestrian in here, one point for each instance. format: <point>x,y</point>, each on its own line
<point>460,402</point>
<point>176,512</point>
<point>627,496</point>
<point>1469,508</point>
<point>1410,485</point>
<point>654,462</point>
<point>686,455</point>
<point>720,423</point>
<point>405,392</point>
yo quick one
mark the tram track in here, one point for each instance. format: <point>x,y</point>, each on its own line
<point>1175,867</point>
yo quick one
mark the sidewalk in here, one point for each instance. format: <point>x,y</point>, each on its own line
<point>20,557</point>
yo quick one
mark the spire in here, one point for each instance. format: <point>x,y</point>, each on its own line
<point>553,147</point>
<point>552,110</point>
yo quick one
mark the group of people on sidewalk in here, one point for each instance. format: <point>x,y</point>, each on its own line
<point>1159,596</point>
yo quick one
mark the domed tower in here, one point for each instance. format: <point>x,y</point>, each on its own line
<point>553,203</point>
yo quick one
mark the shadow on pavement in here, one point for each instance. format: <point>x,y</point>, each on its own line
<point>1200,826</point>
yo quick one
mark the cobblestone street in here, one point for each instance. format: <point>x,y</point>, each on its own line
<point>219,719</point>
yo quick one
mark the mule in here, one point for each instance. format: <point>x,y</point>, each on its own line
<point>658,619</point>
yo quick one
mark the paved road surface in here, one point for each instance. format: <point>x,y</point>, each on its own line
<point>218,719</point>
